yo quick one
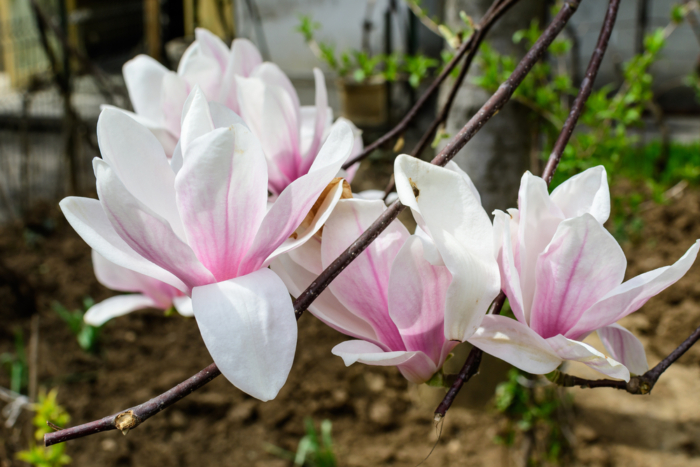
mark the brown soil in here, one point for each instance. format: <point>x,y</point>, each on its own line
<point>378,418</point>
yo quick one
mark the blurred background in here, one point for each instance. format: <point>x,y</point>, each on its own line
<point>61,60</point>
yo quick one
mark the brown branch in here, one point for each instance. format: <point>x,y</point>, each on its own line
<point>413,112</point>
<point>642,384</point>
<point>146,410</point>
<point>470,368</point>
<point>495,11</point>
<point>133,417</point>
<point>584,93</point>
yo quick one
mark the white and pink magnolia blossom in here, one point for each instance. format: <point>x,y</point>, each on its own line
<point>158,94</point>
<point>456,232</point>
<point>563,272</point>
<point>150,293</point>
<point>389,297</point>
<point>204,227</point>
<point>291,134</point>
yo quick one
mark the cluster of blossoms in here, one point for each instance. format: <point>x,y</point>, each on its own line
<point>221,196</point>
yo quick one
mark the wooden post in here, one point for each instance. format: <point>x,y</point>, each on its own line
<point>188,8</point>
<point>151,9</point>
<point>8,52</point>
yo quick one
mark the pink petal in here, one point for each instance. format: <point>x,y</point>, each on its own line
<point>113,307</point>
<point>582,263</point>
<point>249,328</point>
<point>90,221</point>
<point>143,77</point>
<point>145,231</point>
<point>272,115</point>
<point>515,343</point>
<point>633,294</point>
<point>222,195</point>
<point>243,59</point>
<point>463,234</point>
<point>211,46</point>
<point>197,69</point>
<point>369,272</point>
<point>568,349</point>
<point>415,366</point>
<point>125,280</point>
<point>503,226</point>
<point>138,160</point>
<point>417,292</point>
<point>586,192</point>
<point>326,306</point>
<point>295,202</point>
<point>539,219</point>
<point>625,348</point>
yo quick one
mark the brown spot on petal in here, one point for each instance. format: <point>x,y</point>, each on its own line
<point>346,194</point>
<point>416,191</point>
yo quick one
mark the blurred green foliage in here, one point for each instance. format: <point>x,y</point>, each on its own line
<point>16,365</point>
<point>360,66</point>
<point>47,410</point>
<point>314,449</point>
<point>88,336</point>
<point>532,412</point>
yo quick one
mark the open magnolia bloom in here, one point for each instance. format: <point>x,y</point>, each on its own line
<point>291,134</point>
<point>203,227</point>
<point>150,293</point>
<point>390,297</point>
<point>456,233</point>
<point>562,272</point>
<point>158,94</point>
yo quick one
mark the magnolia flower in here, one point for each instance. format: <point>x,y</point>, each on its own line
<point>203,227</point>
<point>457,233</point>
<point>562,272</point>
<point>152,293</point>
<point>291,134</point>
<point>158,94</point>
<point>389,297</point>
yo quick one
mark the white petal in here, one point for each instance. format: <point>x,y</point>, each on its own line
<point>539,219</point>
<point>145,231</point>
<point>586,192</point>
<point>249,328</point>
<point>183,305</point>
<point>143,77</point>
<point>415,366</point>
<point>326,306</point>
<point>515,343</point>
<point>196,119</point>
<point>463,234</point>
<point>118,305</point>
<point>211,46</point>
<point>625,348</point>
<point>164,136</point>
<point>90,221</point>
<point>510,278</point>
<point>633,294</point>
<point>223,117</point>
<point>569,349</point>
<point>138,159</point>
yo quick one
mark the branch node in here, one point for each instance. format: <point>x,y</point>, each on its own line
<point>126,421</point>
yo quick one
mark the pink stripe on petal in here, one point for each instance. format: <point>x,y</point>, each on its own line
<point>582,263</point>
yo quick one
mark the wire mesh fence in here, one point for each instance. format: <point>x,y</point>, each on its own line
<point>47,131</point>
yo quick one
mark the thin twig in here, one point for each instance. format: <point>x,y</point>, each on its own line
<point>408,118</point>
<point>133,417</point>
<point>495,11</point>
<point>584,93</point>
<point>642,384</point>
<point>470,368</point>
<point>139,414</point>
